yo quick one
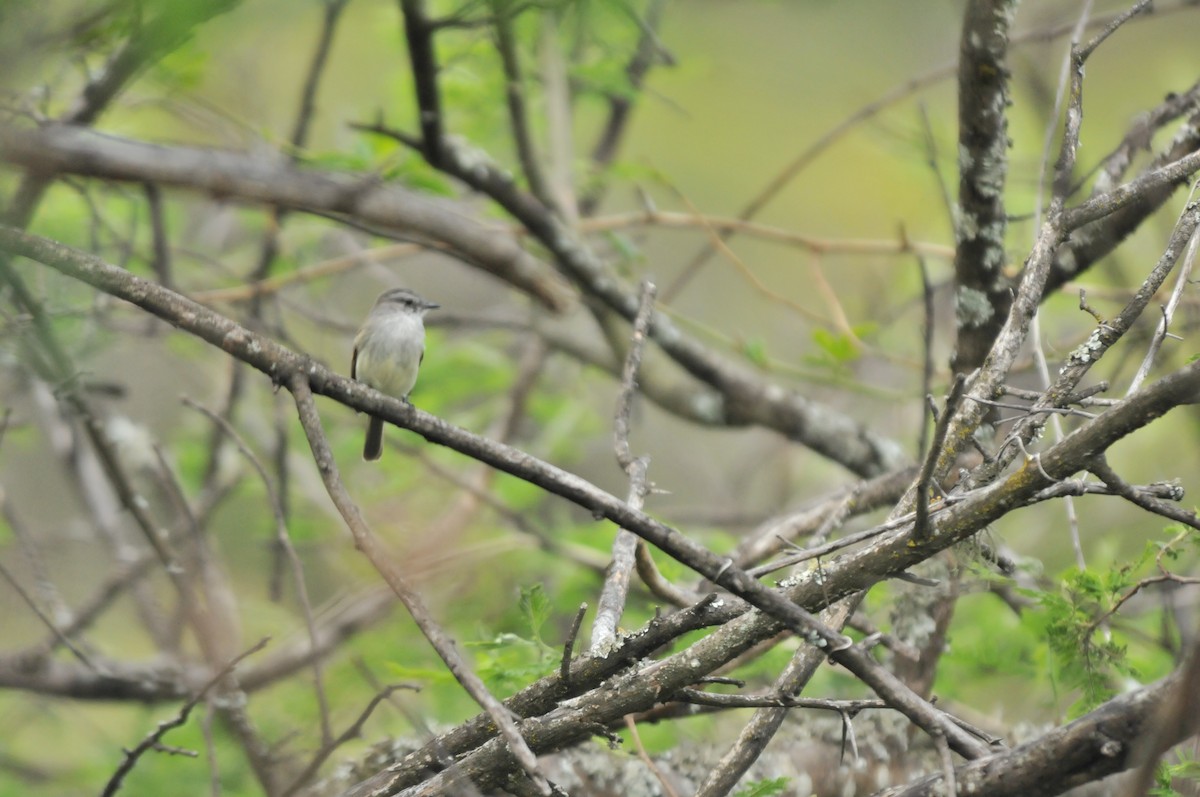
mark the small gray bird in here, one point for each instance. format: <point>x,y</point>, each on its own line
<point>388,350</point>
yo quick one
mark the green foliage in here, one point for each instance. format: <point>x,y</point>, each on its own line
<point>1088,639</point>
<point>1080,633</point>
<point>536,609</point>
<point>105,31</point>
<point>755,350</point>
<point>509,661</point>
<point>470,80</point>
<point>183,68</point>
<point>1186,770</point>
<point>372,153</point>
<point>763,788</point>
<point>1082,661</point>
<point>602,33</point>
<point>835,349</point>
<point>607,78</point>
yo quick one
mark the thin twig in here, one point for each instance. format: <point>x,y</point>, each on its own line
<point>151,741</point>
<point>161,241</point>
<point>1056,424</point>
<point>1056,109</point>
<point>925,479</point>
<point>934,162</point>
<point>1139,496</point>
<point>1112,25</point>
<point>629,374</point>
<point>281,463</point>
<point>854,500</point>
<point>316,68</point>
<point>1182,279</point>
<point>829,547</point>
<point>657,583</point>
<point>720,246</point>
<point>582,555</point>
<point>564,668</point>
<point>926,344</point>
<point>775,700</point>
<point>693,218</point>
<point>611,604</point>
<point>1027,411</point>
<point>1083,398</point>
<point>325,268</point>
<point>631,726</point>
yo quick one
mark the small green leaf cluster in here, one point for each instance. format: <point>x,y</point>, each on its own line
<point>1184,771</point>
<point>1089,627</point>
<point>835,348</point>
<point>509,661</point>
<point>763,788</point>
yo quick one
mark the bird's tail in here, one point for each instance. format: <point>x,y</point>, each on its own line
<point>373,447</point>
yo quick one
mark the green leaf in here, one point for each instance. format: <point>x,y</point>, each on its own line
<point>1086,633</point>
<point>182,69</point>
<point>508,662</point>
<point>536,609</point>
<point>838,348</point>
<point>763,788</point>
<point>755,350</point>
